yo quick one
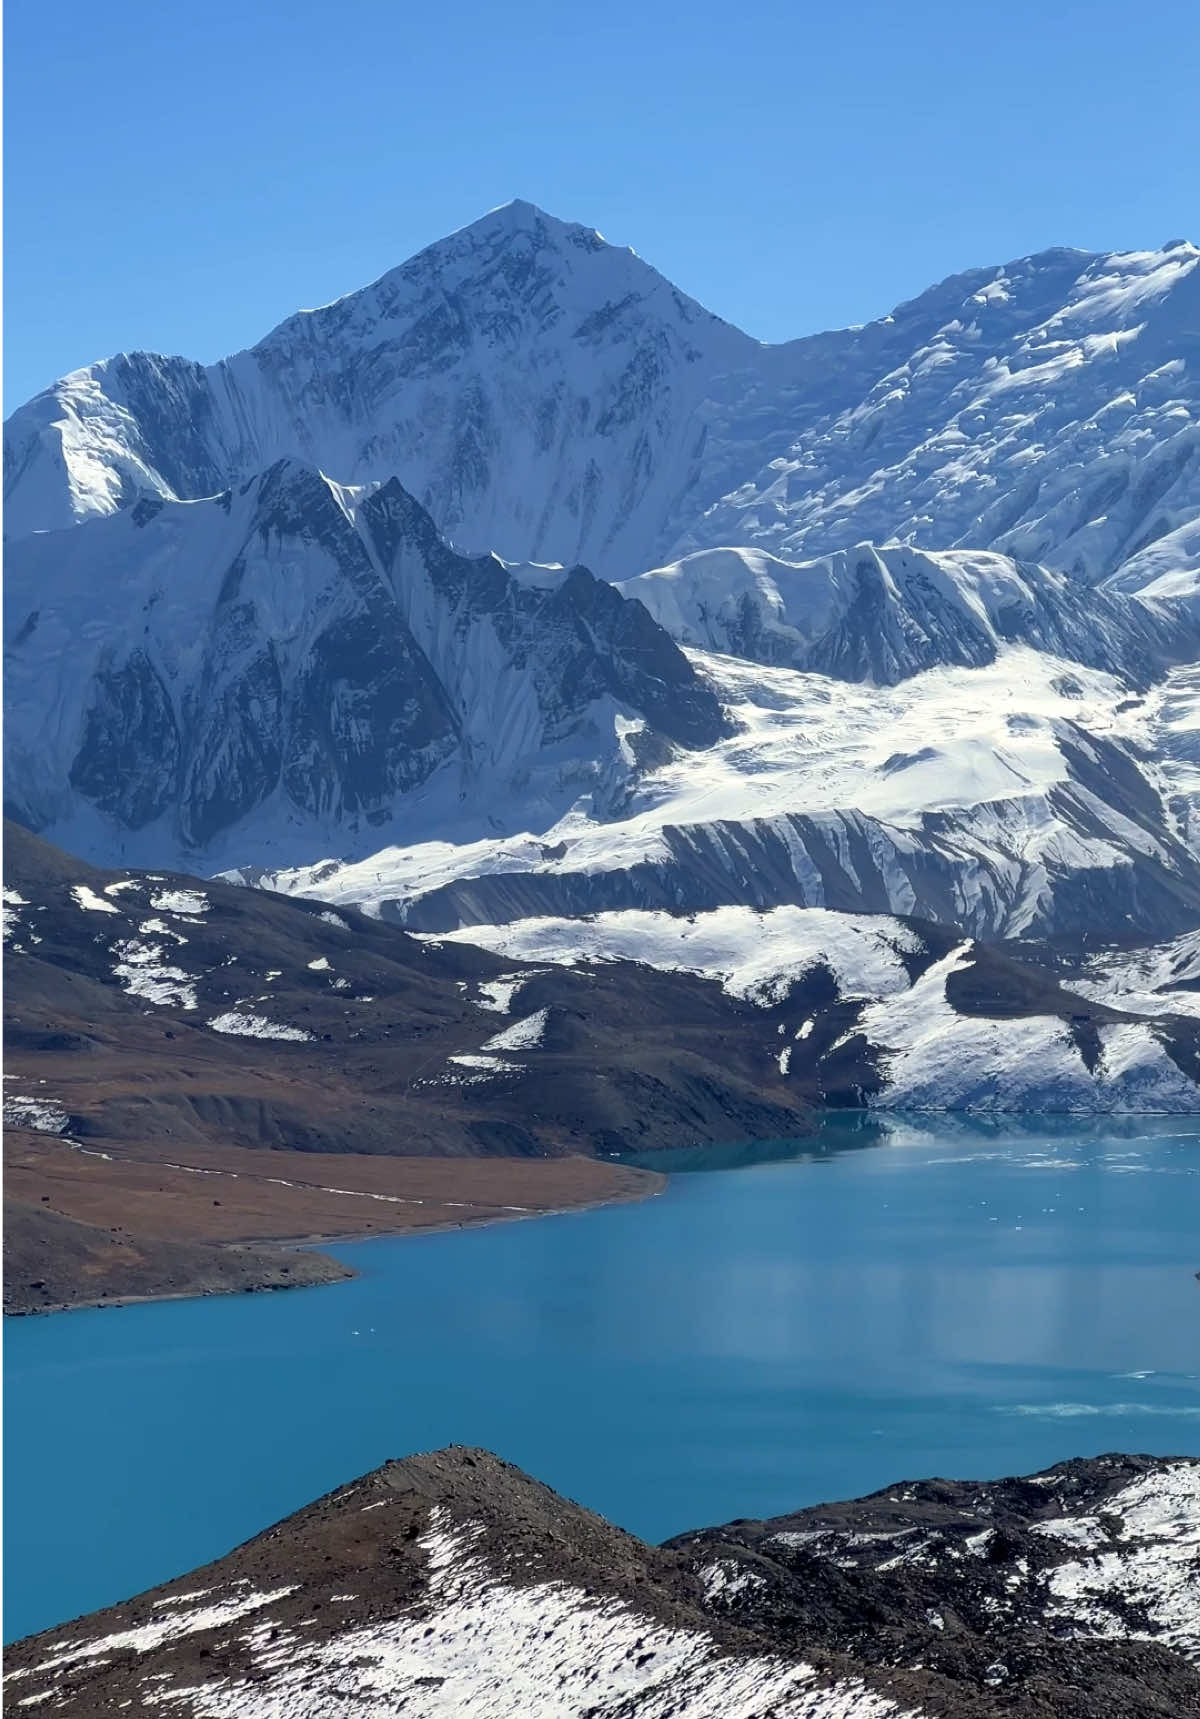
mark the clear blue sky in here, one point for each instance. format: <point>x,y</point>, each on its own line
<point>181,177</point>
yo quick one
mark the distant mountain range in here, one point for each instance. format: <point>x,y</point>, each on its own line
<point>519,587</point>
<point>451,1583</point>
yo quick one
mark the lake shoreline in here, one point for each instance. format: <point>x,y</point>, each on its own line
<point>323,1270</point>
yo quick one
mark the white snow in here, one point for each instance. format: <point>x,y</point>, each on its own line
<point>758,956</point>
<point>1046,407</point>
<point>726,1579</point>
<point>933,1057</point>
<point>160,1630</point>
<point>250,1026</point>
<point>144,973</point>
<point>497,994</point>
<point>482,1066</point>
<point>11,918</point>
<point>938,1059</point>
<point>960,772</point>
<point>522,1035</point>
<point>1163,979</point>
<point>160,928</point>
<point>43,1115</point>
<point>89,900</point>
<point>482,1648</point>
<point>1151,1564</point>
<point>189,902</point>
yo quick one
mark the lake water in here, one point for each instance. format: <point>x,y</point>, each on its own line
<point>935,1298</point>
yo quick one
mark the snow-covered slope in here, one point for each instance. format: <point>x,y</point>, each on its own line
<point>1006,800</point>
<point>551,397</point>
<point>883,614</point>
<point>294,661</point>
<point>1047,408</point>
<point>877,993</point>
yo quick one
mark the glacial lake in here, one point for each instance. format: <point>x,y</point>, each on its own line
<point>932,1297</point>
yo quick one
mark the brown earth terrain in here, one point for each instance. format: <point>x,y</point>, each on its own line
<point>161,1023</point>
<point>87,1226</point>
<point>119,1088</point>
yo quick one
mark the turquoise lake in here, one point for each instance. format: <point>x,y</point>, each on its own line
<point>927,1298</point>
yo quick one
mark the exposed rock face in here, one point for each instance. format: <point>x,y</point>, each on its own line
<point>300,652</point>
<point>454,1584</point>
<point>552,397</point>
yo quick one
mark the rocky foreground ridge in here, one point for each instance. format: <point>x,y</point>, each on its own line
<point>454,1584</point>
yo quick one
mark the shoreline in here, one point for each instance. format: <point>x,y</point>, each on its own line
<point>299,1244</point>
<point>311,1245</point>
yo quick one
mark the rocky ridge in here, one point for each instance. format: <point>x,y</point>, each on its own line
<point>452,1583</point>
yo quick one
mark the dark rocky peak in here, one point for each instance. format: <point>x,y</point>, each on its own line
<point>453,1582</point>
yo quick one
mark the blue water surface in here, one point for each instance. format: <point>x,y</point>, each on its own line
<point>933,1298</point>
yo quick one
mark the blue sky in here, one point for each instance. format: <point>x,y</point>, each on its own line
<point>182,177</point>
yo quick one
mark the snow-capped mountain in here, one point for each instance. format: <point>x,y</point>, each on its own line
<point>539,391</point>
<point>880,615</point>
<point>551,397</point>
<point>946,671</point>
<point>295,658</point>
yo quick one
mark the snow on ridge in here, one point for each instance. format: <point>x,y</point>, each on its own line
<point>1043,405</point>
<point>482,1065</point>
<point>969,769</point>
<point>936,1059</point>
<point>13,899</point>
<point>753,955</point>
<point>931,1056</point>
<point>480,1646</point>
<point>1158,980</point>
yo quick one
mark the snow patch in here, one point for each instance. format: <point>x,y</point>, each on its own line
<point>526,1034</point>
<point>248,1026</point>
<point>88,900</point>
<point>144,973</point>
<point>43,1115</point>
<point>188,902</point>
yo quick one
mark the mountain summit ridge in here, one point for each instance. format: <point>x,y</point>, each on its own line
<point>552,396</point>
